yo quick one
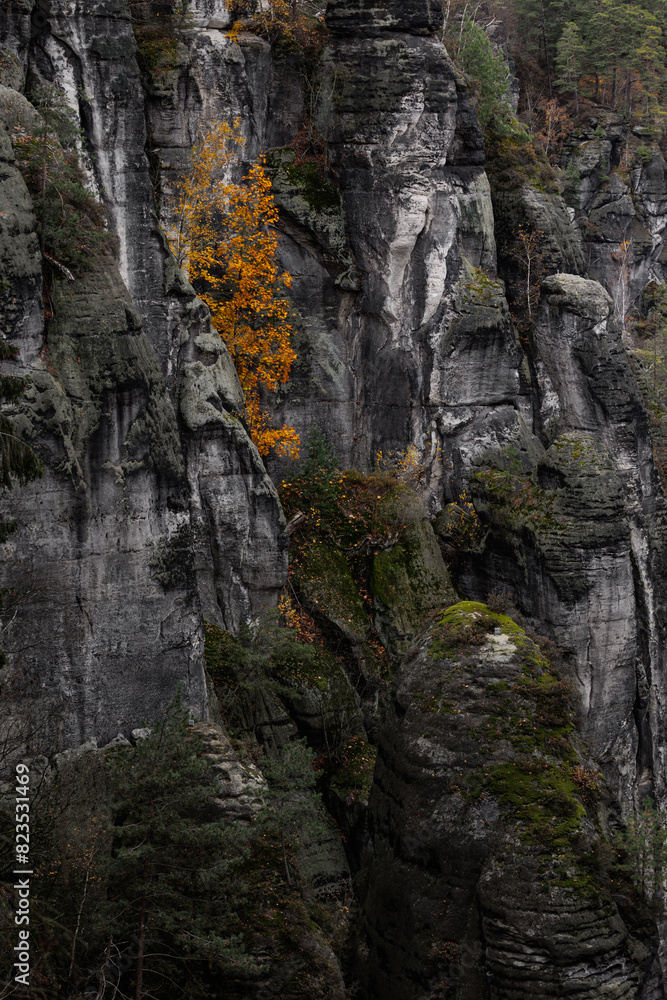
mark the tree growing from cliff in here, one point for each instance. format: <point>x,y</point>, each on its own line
<point>224,235</point>
<point>488,71</point>
<point>526,251</point>
<point>556,126</point>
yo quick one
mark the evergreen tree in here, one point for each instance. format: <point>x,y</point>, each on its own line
<point>173,882</point>
<point>650,63</point>
<point>291,806</point>
<point>569,60</point>
<point>488,70</point>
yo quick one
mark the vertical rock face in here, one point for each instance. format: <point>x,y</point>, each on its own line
<point>21,315</point>
<point>381,363</point>
<point>156,507</point>
<point>393,265</point>
<point>108,622</point>
<point>620,201</point>
<point>351,17</point>
<point>581,542</point>
<point>487,877</point>
<point>196,14</point>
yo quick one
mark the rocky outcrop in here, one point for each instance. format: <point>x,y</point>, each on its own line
<point>388,249</point>
<point>373,19</point>
<point>164,511</point>
<point>488,875</point>
<point>407,153</point>
<point>194,14</point>
<point>156,509</point>
<point>578,534</point>
<point>241,790</point>
<point>618,192</point>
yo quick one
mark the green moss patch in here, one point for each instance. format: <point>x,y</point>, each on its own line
<point>324,578</point>
<point>465,625</point>
<point>517,500</point>
<point>366,563</point>
<point>409,581</point>
<point>523,714</point>
<point>352,780</point>
<point>539,796</point>
<point>513,161</point>
<point>314,187</point>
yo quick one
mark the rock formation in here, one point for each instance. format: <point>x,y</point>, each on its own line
<point>156,510</point>
<point>487,874</point>
<point>164,510</point>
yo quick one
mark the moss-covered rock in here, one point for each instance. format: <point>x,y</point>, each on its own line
<point>325,581</point>
<point>307,197</point>
<point>84,363</point>
<point>410,580</point>
<point>11,74</point>
<point>320,699</point>
<point>484,826</point>
<point>479,307</point>
<point>571,505</point>
<point>162,57</point>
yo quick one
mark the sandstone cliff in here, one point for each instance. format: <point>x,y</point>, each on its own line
<point>156,510</point>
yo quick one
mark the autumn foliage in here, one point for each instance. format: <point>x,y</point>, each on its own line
<point>222,234</point>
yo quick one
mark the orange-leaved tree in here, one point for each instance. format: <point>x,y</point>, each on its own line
<point>223,235</point>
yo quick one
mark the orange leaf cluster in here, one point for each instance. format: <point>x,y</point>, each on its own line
<point>223,236</point>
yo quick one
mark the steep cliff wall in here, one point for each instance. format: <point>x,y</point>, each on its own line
<point>618,193</point>
<point>393,264</point>
<point>581,543</point>
<point>164,512</point>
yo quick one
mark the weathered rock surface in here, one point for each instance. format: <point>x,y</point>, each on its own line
<point>482,879</point>
<point>409,581</point>
<point>619,196</point>
<point>357,17</point>
<point>581,541</point>
<point>198,14</point>
<point>404,145</point>
<point>388,251</point>
<point>241,789</point>
<point>164,511</point>
<point>546,214</point>
<point>156,508</point>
